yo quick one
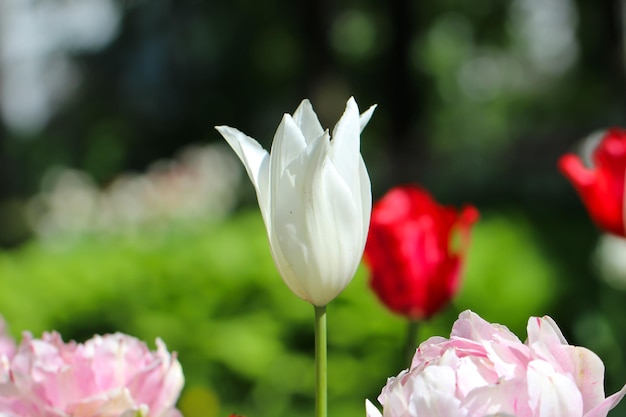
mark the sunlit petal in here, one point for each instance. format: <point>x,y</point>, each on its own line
<point>256,161</point>
<point>307,121</point>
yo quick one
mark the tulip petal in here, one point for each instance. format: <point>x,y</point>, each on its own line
<point>347,160</point>
<point>344,152</point>
<point>365,198</point>
<point>256,160</point>
<point>312,207</point>
<point>366,116</point>
<point>288,144</point>
<point>288,240</point>
<point>601,187</point>
<point>573,168</point>
<point>335,215</point>
<point>307,121</point>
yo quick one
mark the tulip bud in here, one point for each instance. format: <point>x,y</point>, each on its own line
<point>414,266</point>
<point>315,198</point>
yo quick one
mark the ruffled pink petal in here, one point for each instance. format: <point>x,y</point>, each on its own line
<point>504,398</point>
<point>551,394</point>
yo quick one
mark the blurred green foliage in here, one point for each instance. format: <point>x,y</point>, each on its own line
<point>211,292</point>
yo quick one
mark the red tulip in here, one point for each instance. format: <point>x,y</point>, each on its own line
<point>601,186</point>
<point>410,252</point>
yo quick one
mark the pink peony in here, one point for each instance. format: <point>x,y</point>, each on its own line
<point>107,376</point>
<point>485,370</point>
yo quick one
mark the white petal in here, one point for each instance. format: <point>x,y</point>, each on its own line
<point>365,198</point>
<point>256,160</point>
<point>471,326</point>
<point>315,222</point>
<point>506,398</point>
<point>288,242</point>
<point>366,116</point>
<point>544,329</point>
<point>345,145</point>
<point>307,121</point>
<point>588,373</point>
<point>552,394</point>
<point>433,394</point>
<point>334,227</point>
<point>371,410</point>
<point>288,144</point>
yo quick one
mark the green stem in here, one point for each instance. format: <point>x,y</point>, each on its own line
<point>411,342</point>
<point>321,363</point>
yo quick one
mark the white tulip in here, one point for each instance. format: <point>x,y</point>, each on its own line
<point>315,198</point>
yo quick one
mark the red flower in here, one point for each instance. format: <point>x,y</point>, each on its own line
<point>601,186</point>
<point>409,250</point>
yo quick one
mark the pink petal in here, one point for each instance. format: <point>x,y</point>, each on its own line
<point>505,398</point>
<point>471,326</point>
<point>552,394</point>
<point>602,409</point>
<point>588,373</point>
<point>432,393</point>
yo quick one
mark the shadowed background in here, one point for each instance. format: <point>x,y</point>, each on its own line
<point>121,208</point>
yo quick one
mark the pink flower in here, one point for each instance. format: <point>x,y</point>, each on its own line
<point>107,376</point>
<point>485,370</point>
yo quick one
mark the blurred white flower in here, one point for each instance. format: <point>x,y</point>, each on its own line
<point>199,184</point>
<point>611,262</point>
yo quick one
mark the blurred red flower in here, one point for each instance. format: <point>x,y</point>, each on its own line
<point>601,185</point>
<point>412,252</point>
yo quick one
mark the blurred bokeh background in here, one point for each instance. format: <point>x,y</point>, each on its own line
<point>122,210</point>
